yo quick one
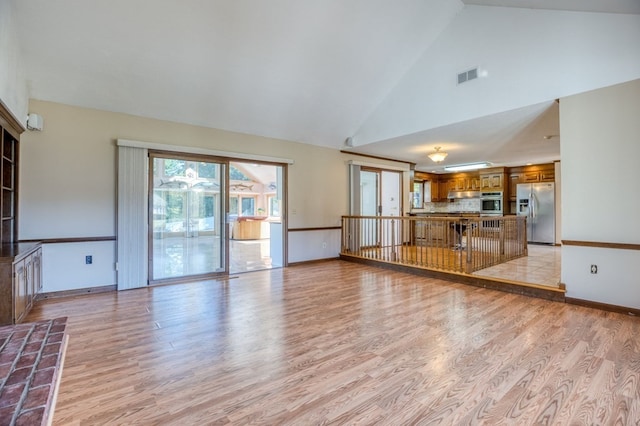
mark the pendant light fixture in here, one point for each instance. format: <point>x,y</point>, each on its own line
<point>438,156</point>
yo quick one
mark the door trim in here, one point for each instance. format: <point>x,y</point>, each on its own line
<point>152,146</point>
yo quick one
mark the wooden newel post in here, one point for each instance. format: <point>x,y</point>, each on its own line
<point>469,264</point>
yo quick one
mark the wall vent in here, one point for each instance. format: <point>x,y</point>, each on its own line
<point>472,74</point>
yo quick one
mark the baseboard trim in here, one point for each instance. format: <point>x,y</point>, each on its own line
<point>76,292</point>
<point>70,240</point>
<point>603,306</point>
<point>307,262</point>
<point>598,244</point>
<point>323,228</point>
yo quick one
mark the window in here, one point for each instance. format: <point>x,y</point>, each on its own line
<point>173,167</point>
<point>248,206</point>
<point>207,170</point>
<point>274,207</point>
<point>416,196</point>
<point>233,205</point>
<point>242,206</point>
<point>237,174</point>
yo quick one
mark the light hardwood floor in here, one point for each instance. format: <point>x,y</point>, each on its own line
<point>342,343</point>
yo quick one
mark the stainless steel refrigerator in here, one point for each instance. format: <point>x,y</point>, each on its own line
<point>536,201</point>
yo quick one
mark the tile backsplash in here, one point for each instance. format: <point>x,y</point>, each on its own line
<point>466,205</point>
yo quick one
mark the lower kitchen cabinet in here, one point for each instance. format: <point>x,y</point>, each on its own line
<point>430,233</point>
<point>20,280</point>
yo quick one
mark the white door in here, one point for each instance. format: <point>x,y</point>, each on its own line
<point>369,206</point>
<point>391,206</point>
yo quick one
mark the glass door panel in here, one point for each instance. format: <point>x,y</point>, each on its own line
<point>256,235</point>
<point>370,200</point>
<point>188,228</point>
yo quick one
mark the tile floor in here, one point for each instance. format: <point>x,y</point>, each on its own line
<point>541,266</point>
<point>249,255</point>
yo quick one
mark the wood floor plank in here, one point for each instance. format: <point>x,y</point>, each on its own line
<point>341,343</point>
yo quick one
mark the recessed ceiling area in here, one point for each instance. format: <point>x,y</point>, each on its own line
<point>511,138</point>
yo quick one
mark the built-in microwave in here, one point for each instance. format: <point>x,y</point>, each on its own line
<point>491,203</point>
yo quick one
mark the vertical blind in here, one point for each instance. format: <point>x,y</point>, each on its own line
<point>132,256</point>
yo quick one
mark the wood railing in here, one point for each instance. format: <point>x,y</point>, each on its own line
<point>451,244</point>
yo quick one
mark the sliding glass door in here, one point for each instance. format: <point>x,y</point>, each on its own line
<point>187,210</point>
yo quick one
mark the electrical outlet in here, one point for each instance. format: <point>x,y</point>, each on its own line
<point>88,259</point>
<point>594,269</point>
<point>324,245</point>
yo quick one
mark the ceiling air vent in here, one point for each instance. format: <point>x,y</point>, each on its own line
<point>467,75</point>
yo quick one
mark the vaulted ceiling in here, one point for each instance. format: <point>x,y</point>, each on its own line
<point>380,72</point>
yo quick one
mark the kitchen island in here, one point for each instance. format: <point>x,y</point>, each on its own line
<point>439,233</point>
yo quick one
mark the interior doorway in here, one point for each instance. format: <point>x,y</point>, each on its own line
<point>375,193</point>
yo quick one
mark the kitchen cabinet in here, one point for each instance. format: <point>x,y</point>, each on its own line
<point>431,191</point>
<point>20,280</point>
<point>548,175</point>
<point>465,182</point>
<point>436,233</point>
<point>529,174</point>
<point>514,179</point>
<point>475,184</point>
<point>458,182</point>
<point>430,233</point>
<point>530,177</point>
<point>450,185</point>
<point>492,179</point>
<point>437,187</point>
<point>443,190</point>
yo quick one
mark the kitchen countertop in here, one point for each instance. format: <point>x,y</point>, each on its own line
<point>446,214</point>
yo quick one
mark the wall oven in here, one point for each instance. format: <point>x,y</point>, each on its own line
<point>491,203</point>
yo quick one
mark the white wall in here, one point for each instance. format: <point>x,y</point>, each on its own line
<point>311,245</point>
<point>64,267</point>
<point>616,283</point>
<point>600,152</point>
<point>600,202</point>
<point>68,182</point>
<point>591,49</point>
<point>13,87</point>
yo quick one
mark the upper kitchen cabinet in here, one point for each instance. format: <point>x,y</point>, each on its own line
<point>529,174</point>
<point>464,181</point>
<point>437,187</point>
<point>474,183</point>
<point>492,179</point>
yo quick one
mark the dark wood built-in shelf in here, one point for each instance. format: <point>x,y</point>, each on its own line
<point>8,189</point>
<point>20,263</point>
